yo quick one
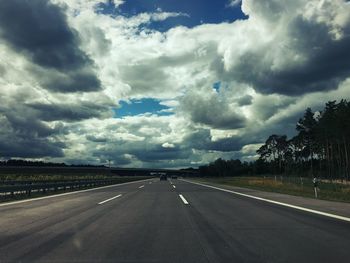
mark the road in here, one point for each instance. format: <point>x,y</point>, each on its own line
<point>166,221</point>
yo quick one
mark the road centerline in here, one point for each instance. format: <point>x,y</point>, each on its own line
<point>110,199</point>
<point>183,199</point>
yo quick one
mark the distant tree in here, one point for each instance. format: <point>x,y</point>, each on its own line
<point>306,128</point>
<point>220,168</point>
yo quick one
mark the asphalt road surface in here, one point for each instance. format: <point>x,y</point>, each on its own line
<point>166,221</point>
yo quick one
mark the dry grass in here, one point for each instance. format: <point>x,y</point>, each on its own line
<point>293,186</point>
<point>264,182</point>
<point>346,190</point>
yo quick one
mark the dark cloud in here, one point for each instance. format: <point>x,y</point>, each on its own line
<point>29,148</point>
<point>218,120</point>
<point>265,107</point>
<point>212,110</point>
<point>71,82</point>
<point>202,140</point>
<point>24,125</point>
<point>117,160</point>
<point>159,153</point>
<point>93,138</point>
<point>148,152</point>
<point>25,136</point>
<point>39,29</point>
<point>69,112</point>
<point>245,100</point>
<point>143,151</point>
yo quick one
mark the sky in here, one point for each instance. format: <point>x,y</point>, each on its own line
<point>164,83</point>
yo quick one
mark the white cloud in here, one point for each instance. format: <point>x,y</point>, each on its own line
<point>234,3</point>
<point>168,145</point>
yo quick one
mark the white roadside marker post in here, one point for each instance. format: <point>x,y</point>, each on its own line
<point>315,186</point>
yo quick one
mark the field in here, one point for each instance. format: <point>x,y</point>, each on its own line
<point>334,191</point>
<point>24,182</point>
<point>52,173</point>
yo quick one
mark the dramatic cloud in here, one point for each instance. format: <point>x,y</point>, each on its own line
<point>208,107</point>
<point>70,71</point>
<point>23,136</point>
<point>291,47</point>
<point>69,112</point>
<point>39,29</point>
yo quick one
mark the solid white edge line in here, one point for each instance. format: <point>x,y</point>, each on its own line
<point>110,199</point>
<point>347,219</point>
<point>183,200</point>
<point>70,193</point>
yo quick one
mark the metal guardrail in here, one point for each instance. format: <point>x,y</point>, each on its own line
<point>28,187</point>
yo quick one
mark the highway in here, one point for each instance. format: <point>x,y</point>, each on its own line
<point>166,221</point>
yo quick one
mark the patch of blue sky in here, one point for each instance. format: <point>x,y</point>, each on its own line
<point>107,8</point>
<point>217,85</point>
<point>198,11</point>
<point>142,106</point>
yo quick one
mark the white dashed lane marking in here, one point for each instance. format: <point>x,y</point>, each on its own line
<point>110,199</point>
<point>183,199</point>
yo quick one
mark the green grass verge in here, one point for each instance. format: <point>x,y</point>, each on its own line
<point>293,186</point>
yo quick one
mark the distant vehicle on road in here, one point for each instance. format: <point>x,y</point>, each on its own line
<point>163,177</point>
<point>173,177</point>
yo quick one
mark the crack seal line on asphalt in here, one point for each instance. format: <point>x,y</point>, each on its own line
<point>347,219</point>
<point>110,199</point>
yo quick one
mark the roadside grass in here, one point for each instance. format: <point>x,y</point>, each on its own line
<point>52,173</point>
<point>287,185</point>
<point>47,178</point>
<point>53,177</point>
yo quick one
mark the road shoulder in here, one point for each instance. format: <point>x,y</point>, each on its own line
<point>332,207</point>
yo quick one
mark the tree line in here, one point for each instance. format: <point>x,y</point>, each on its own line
<point>221,168</point>
<point>320,148</point>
